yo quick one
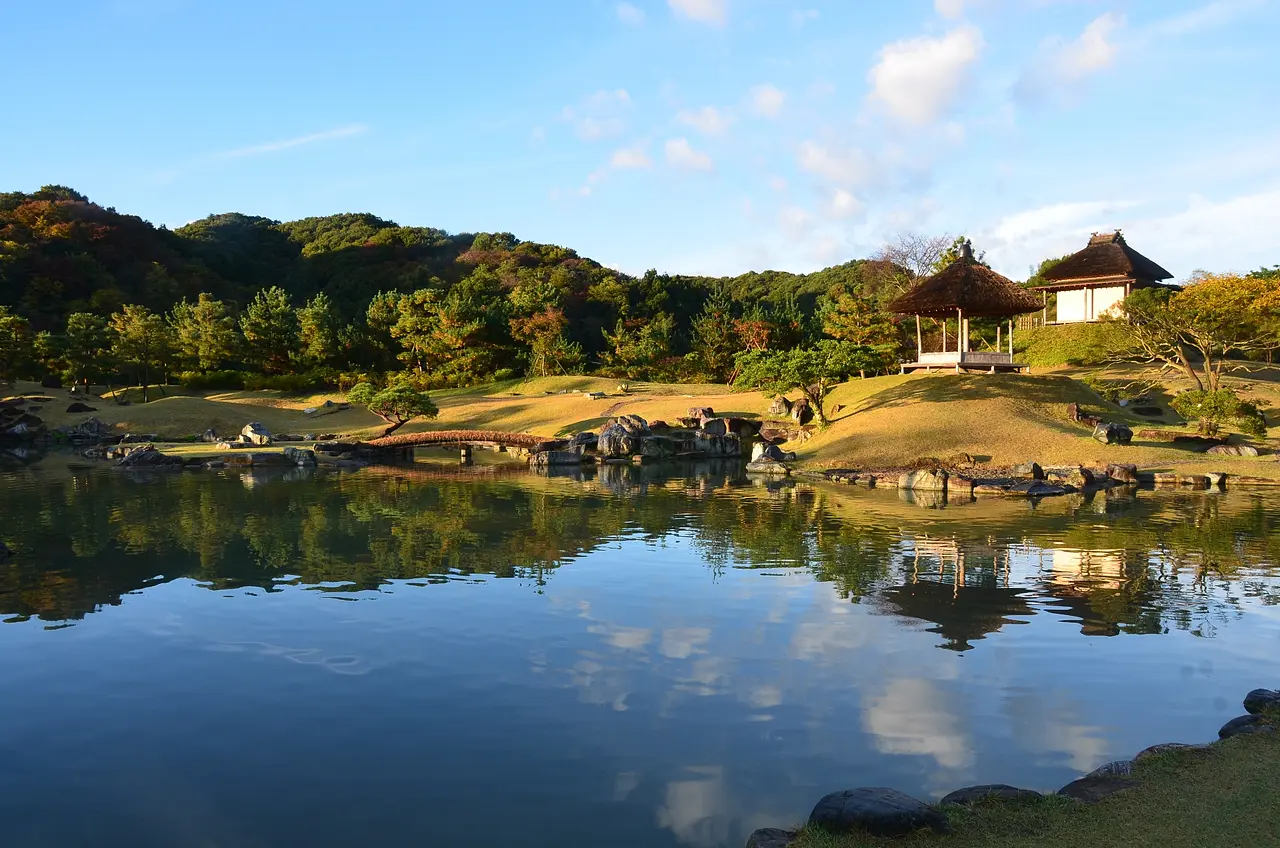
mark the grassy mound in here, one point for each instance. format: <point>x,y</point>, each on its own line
<point>1068,344</point>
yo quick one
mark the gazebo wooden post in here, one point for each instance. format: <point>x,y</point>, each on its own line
<point>944,335</point>
<point>998,335</point>
<point>919,340</point>
<point>1011,340</point>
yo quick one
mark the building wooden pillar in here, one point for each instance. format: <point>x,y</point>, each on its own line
<point>1010,339</point>
<point>919,340</point>
<point>1044,315</point>
<point>944,335</point>
<point>962,333</point>
<point>998,334</point>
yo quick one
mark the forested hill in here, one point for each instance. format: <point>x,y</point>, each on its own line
<point>354,281</point>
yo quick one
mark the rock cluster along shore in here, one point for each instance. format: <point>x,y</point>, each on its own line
<point>700,435</point>
<point>140,452</point>
<point>884,812</point>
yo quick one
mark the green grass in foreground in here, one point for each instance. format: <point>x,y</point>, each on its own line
<point>1228,795</point>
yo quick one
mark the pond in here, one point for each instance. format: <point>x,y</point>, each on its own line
<point>426,655</point>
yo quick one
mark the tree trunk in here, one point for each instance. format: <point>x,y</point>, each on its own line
<point>815,402</point>
<point>1187,369</point>
<point>146,378</point>
<point>395,425</point>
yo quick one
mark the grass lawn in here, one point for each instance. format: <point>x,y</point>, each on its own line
<point>1225,797</point>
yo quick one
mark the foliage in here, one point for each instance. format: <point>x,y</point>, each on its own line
<point>15,345</point>
<point>295,384</point>
<point>396,404</point>
<point>1070,344</point>
<point>813,370</point>
<point>84,351</point>
<point>270,328</point>
<point>1223,406</point>
<point>550,349</point>
<point>637,348</point>
<point>1036,278</point>
<point>1200,328</point>
<point>852,317</point>
<point>204,335</point>
<point>212,381</point>
<point>143,341</point>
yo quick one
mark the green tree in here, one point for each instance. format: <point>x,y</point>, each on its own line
<point>85,352</point>
<point>319,332</point>
<point>715,337</point>
<point>15,345</point>
<point>1213,409</point>
<point>813,370</point>
<point>452,338</point>
<point>1199,329</point>
<point>204,335</point>
<point>850,317</point>
<point>270,328</point>
<point>636,346</point>
<point>397,405</point>
<point>550,349</point>
<point>142,341</point>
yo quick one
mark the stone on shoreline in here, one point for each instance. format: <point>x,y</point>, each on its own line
<point>1093,789</point>
<point>1165,748</point>
<point>546,459</point>
<point>878,811</point>
<point>771,837</point>
<point>1123,473</point>
<point>256,433</point>
<point>768,466</point>
<point>1240,724</point>
<point>989,792</point>
<point>1029,469</point>
<point>1260,700</point>
<point>923,480</point>
<point>1115,768</point>
<point>1233,450</point>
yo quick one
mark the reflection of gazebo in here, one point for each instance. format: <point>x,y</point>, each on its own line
<point>964,289</point>
<point>961,617</point>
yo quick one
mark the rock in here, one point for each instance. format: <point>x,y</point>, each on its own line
<point>593,395</point>
<point>256,433</point>
<point>1233,450</point>
<point>326,437</point>
<point>701,412</point>
<point>715,426</point>
<point>1123,473</point>
<point>1165,478</point>
<point>1216,479</point>
<point>623,437</point>
<point>780,406</point>
<point>800,411</point>
<point>771,837</point>
<point>546,459</point>
<point>1091,789</point>
<point>989,792</point>
<point>768,467</point>
<point>215,464</point>
<point>990,489</point>
<point>300,456</point>
<point>266,460</point>
<point>1115,768</point>
<point>1239,725</point>
<point>1165,748</point>
<point>149,457</point>
<point>764,450</point>
<point>224,445</point>
<point>924,480</point>
<point>1261,700</point>
<point>310,410</point>
<point>92,428</point>
<point>80,407</point>
<point>878,811</point>
<point>1113,434</point>
<point>584,440</point>
<point>209,436</point>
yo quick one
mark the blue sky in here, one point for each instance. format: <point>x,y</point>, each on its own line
<point>697,136</point>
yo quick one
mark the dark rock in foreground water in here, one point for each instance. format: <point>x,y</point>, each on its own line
<point>989,792</point>
<point>878,811</point>
<point>771,837</point>
<point>1260,700</point>
<point>1241,724</point>
<point>1093,789</point>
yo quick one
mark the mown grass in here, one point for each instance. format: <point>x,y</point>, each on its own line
<point>1222,797</point>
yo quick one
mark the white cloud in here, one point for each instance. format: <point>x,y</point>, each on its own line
<point>1213,14</point>
<point>842,204</point>
<point>795,222</point>
<point>950,9</point>
<point>708,120</point>
<point>714,12</point>
<point>917,79</point>
<point>630,157</point>
<point>842,166</point>
<point>1066,64</point>
<point>767,100</point>
<point>681,154</point>
<point>285,144</point>
<point>630,15</point>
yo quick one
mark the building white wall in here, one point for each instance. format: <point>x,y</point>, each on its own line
<point>1076,306</point>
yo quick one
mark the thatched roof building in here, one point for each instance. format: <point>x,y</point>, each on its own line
<point>966,286</point>
<point>1108,259</point>
<point>1091,284</point>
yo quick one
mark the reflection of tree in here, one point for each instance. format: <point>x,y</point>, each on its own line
<point>1117,565</point>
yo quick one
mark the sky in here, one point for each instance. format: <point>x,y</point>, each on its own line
<point>690,136</point>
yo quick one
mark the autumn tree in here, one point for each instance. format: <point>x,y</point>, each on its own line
<point>915,255</point>
<point>204,335</point>
<point>1200,329</point>
<point>813,370</point>
<point>142,341</point>
<point>550,349</point>
<point>270,328</point>
<point>397,404</point>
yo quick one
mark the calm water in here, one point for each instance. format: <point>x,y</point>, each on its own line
<point>413,657</point>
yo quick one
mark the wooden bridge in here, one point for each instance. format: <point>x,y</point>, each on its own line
<point>465,441</point>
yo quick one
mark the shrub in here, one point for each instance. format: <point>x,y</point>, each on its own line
<point>208,381</point>
<point>504,374</point>
<point>1213,409</point>
<point>310,381</point>
<point>1070,344</point>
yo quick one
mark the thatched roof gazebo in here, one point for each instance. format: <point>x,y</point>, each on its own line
<point>965,289</point>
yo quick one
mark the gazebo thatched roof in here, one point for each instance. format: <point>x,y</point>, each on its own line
<point>1107,257</point>
<point>966,285</point>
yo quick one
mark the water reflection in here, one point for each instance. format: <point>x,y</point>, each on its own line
<point>649,659</point>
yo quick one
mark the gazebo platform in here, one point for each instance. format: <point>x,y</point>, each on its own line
<point>991,362</point>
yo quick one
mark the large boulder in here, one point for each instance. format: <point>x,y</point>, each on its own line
<point>149,457</point>
<point>300,456</point>
<point>1127,474</point>
<point>623,437</point>
<point>1113,434</point>
<point>1030,470</point>
<point>1240,725</point>
<point>78,407</point>
<point>1260,701</point>
<point>877,811</point>
<point>1094,788</point>
<point>768,467</point>
<point>780,406</point>
<point>546,459</point>
<point>800,411</point>
<point>701,413</point>
<point>924,480</point>
<point>256,433</point>
<point>585,440</point>
<point>1233,450</point>
<point>726,445</point>
<point>92,429</point>
<point>771,837</point>
<point>766,451</point>
<point>209,436</point>
<point>658,447</point>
